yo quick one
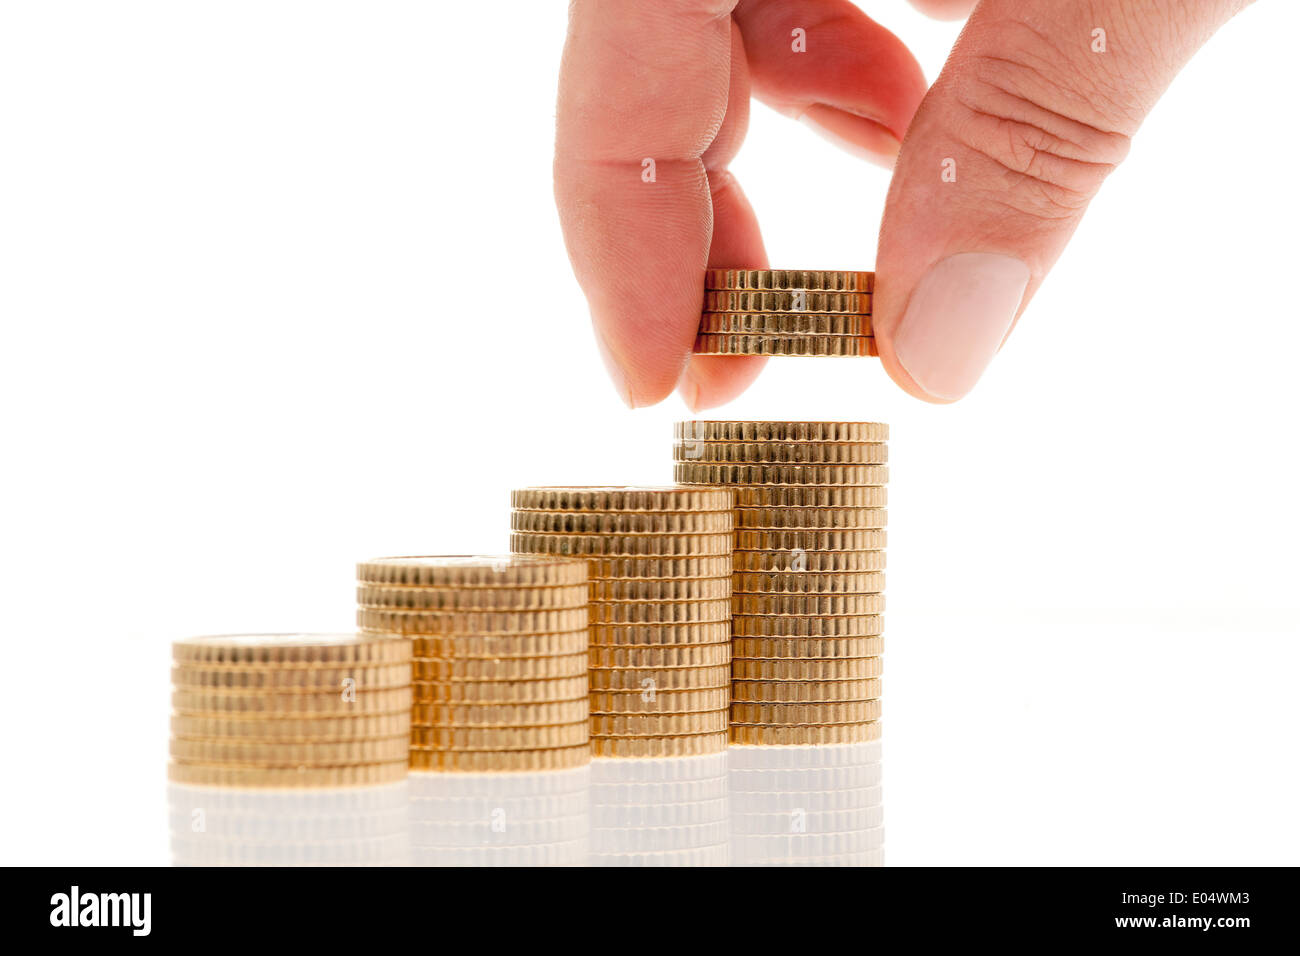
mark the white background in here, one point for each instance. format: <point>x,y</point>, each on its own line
<point>282,287</point>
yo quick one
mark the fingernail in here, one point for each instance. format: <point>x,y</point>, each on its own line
<point>615,370</point>
<point>859,136</point>
<point>957,318</point>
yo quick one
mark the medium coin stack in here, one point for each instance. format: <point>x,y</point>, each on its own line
<point>499,657</point>
<point>807,593</point>
<point>786,312</point>
<point>659,563</point>
<point>290,710</point>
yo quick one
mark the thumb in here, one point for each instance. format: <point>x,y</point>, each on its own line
<point>1036,105</point>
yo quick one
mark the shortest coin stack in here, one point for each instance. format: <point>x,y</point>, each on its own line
<point>290,710</point>
<point>499,657</point>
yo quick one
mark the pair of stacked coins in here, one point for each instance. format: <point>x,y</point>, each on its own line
<point>786,312</point>
<point>499,657</point>
<point>290,710</point>
<point>659,562</point>
<point>809,563</point>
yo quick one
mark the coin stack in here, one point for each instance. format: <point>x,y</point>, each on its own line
<point>786,312</point>
<point>290,710</point>
<point>808,587</point>
<point>659,584</point>
<point>499,657</point>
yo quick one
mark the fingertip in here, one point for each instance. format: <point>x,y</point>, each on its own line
<point>713,380</point>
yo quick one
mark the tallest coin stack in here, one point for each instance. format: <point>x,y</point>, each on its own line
<point>808,582</point>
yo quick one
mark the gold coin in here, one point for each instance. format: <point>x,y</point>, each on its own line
<point>659,568</point>
<point>872,539</point>
<point>710,473</point>
<point>494,669</point>
<point>660,589</point>
<point>360,700</point>
<point>810,562</point>
<point>793,453</point>
<point>260,753</point>
<point>840,712</point>
<point>784,323</point>
<point>501,715</point>
<point>816,279</point>
<point>825,346</point>
<point>299,650</point>
<point>461,646</point>
<point>825,605</point>
<point>639,658</point>
<point>660,701</point>
<point>811,496</point>
<point>621,635</point>
<point>803,736</point>
<point>237,677</point>
<point>795,301</point>
<point>601,545</point>
<point>804,691</point>
<point>660,612</point>
<point>806,648</point>
<point>595,498</point>
<point>471,571</point>
<point>781,432</point>
<point>501,761</point>
<point>300,729</point>
<point>621,523</point>
<point>659,679</point>
<point>473,599</point>
<point>499,738</point>
<point>681,745</point>
<point>849,670</point>
<point>794,625</point>
<point>659,725</point>
<point>221,775</point>
<point>794,582</point>
<point>752,519</point>
<point>435,694</point>
<point>477,623</point>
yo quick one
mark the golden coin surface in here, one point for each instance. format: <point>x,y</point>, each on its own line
<point>784,323</point>
<point>815,279</point>
<point>797,301</point>
<point>304,650</point>
<point>631,498</point>
<point>288,729</point>
<point>803,736</point>
<point>804,691</point>
<point>620,523</point>
<point>852,670</point>
<point>751,519</point>
<point>661,679</point>
<point>659,612</point>
<point>261,753</point>
<point>478,623</point>
<point>222,775</point>
<point>435,694</point>
<point>825,605</point>
<point>780,431</point>
<point>501,761</point>
<point>807,648</point>
<point>472,599</point>
<point>660,589</point>
<point>795,453</point>
<point>659,725</point>
<point>501,715</point>
<point>660,701</point>
<point>711,473</point>
<point>542,737</point>
<point>796,582</point>
<point>601,545</point>
<point>659,568</point>
<point>810,562</point>
<point>811,496</point>
<point>360,700</point>
<point>872,539</point>
<point>682,745</point>
<point>826,346</point>
<point>494,669</point>
<point>838,712</point>
<point>462,646</point>
<point>471,570</point>
<point>683,655</point>
<point>622,635</point>
<point>794,625</point>
<point>255,679</point>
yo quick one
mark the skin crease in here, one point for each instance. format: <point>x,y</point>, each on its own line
<point>1032,117</point>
